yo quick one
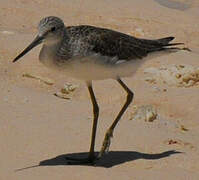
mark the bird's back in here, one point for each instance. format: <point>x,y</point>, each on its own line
<point>86,40</point>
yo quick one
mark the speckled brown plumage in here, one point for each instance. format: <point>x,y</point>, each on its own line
<point>110,43</point>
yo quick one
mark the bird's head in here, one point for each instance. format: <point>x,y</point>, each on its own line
<point>50,30</point>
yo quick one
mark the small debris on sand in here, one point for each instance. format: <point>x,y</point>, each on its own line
<point>7,32</point>
<point>144,113</point>
<point>183,128</point>
<point>138,32</point>
<point>41,79</point>
<point>179,142</point>
<point>174,75</point>
<point>172,142</point>
<point>60,95</point>
<point>66,90</point>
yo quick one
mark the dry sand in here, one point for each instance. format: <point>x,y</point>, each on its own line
<point>38,128</point>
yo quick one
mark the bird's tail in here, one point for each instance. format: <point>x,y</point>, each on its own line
<point>164,44</point>
<point>165,41</point>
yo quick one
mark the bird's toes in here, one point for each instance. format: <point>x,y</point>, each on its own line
<point>106,143</point>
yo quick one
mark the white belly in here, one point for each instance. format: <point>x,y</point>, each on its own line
<point>94,67</point>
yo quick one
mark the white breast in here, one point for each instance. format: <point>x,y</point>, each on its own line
<point>93,67</point>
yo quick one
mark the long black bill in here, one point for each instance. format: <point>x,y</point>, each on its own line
<point>35,42</point>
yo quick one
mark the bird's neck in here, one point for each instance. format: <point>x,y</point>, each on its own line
<point>63,49</point>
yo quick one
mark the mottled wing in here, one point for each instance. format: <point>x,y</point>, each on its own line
<point>115,44</point>
<point>88,40</point>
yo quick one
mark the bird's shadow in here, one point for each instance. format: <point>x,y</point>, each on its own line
<point>113,158</point>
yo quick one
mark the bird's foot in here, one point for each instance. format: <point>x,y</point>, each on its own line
<point>106,143</point>
<point>77,161</point>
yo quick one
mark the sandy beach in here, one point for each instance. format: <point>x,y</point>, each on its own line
<point>38,129</point>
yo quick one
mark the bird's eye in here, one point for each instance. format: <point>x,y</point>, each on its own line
<point>53,29</point>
